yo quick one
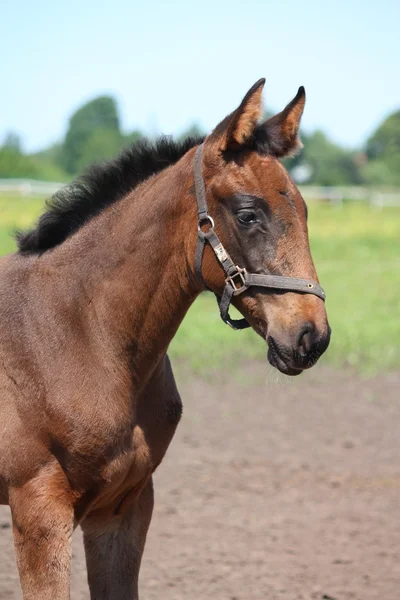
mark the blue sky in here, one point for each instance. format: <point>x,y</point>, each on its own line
<point>174,62</point>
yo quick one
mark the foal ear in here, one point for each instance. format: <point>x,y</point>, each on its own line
<point>280,134</point>
<point>238,127</point>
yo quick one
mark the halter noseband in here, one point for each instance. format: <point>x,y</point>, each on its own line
<point>237,280</point>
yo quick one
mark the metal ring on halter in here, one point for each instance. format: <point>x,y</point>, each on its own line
<point>204,220</point>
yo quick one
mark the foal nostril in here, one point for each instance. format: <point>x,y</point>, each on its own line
<point>305,340</point>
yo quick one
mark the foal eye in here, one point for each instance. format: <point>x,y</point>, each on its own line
<point>247,217</point>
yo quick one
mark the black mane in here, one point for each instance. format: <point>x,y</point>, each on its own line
<point>104,184</point>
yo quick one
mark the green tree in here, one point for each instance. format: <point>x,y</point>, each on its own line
<point>14,164</point>
<point>99,145</point>
<point>330,164</point>
<point>51,154</point>
<point>79,145</point>
<point>48,162</point>
<point>12,141</point>
<point>131,138</point>
<point>383,153</point>
<point>193,130</point>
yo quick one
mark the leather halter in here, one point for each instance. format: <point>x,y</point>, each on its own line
<point>238,280</point>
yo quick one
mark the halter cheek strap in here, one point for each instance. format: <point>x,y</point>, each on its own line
<point>237,280</point>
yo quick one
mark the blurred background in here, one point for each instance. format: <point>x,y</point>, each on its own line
<point>286,488</point>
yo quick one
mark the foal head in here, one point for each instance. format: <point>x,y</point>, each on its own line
<point>261,219</point>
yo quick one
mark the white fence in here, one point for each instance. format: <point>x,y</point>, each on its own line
<point>333,195</point>
<point>337,195</point>
<point>28,187</point>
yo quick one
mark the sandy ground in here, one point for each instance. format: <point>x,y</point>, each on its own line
<point>270,491</point>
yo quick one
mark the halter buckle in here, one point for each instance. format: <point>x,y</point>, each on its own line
<point>237,281</point>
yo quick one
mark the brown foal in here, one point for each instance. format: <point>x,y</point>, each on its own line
<point>89,305</point>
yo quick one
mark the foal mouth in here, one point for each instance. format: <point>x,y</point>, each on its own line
<point>279,361</point>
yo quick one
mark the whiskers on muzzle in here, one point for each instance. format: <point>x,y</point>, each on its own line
<point>302,353</point>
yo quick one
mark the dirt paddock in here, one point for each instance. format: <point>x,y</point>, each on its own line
<point>287,490</point>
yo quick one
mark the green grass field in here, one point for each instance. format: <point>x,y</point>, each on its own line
<point>357,253</point>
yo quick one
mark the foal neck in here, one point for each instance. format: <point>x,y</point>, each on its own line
<point>133,265</point>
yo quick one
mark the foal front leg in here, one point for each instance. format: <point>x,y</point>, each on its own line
<point>43,521</point>
<point>114,545</point>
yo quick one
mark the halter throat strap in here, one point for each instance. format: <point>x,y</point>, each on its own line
<point>237,280</point>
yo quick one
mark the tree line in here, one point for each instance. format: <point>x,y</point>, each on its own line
<point>94,133</point>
